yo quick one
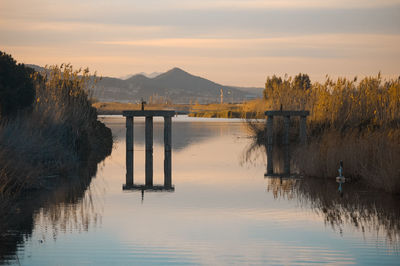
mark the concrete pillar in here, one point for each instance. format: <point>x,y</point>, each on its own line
<point>270,142</point>
<point>303,130</point>
<point>286,154</point>
<point>129,150</point>
<point>149,150</point>
<point>286,128</point>
<point>167,151</point>
<point>286,159</point>
<point>270,128</point>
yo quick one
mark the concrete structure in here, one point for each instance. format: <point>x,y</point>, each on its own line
<point>148,114</point>
<point>285,141</point>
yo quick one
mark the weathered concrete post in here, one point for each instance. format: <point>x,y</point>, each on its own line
<point>270,140</point>
<point>167,151</point>
<point>129,150</point>
<point>286,160</point>
<point>286,128</point>
<point>149,150</point>
<point>303,130</point>
<point>270,128</point>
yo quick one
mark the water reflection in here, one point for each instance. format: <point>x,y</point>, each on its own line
<point>223,212</point>
<point>67,204</point>
<point>362,208</point>
<point>183,133</point>
<point>278,159</point>
<point>340,204</point>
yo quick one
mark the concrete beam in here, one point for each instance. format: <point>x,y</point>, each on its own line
<point>148,113</point>
<point>148,188</point>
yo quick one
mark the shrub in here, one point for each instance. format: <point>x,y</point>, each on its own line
<point>17,90</point>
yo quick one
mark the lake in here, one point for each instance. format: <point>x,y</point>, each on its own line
<point>222,210</point>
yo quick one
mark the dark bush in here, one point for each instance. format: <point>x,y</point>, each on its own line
<point>17,90</point>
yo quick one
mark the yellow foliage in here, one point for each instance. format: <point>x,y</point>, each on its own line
<point>341,103</point>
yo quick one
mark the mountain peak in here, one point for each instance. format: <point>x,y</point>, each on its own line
<point>176,70</point>
<point>174,73</point>
<point>137,76</point>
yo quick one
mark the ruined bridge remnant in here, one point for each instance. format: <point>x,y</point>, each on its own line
<point>270,136</point>
<point>148,114</point>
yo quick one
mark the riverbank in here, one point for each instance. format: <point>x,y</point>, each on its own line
<point>48,155</point>
<point>250,109</point>
<point>354,122</point>
<point>49,140</point>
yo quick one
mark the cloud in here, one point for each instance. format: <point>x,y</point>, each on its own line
<point>285,4</point>
<point>321,45</point>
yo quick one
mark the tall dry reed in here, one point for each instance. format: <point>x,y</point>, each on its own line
<point>61,129</point>
<point>342,103</point>
<point>350,121</point>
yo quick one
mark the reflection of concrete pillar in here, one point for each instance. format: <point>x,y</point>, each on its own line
<point>270,140</point>
<point>149,150</point>
<point>270,162</point>
<point>167,151</point>
<point>129,150</point>
<point>303,130</point>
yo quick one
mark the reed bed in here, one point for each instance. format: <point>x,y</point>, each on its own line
<point>356,122</point>
<point>48,140</point>
<point>373,158</point>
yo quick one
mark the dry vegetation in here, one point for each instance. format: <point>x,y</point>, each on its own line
<point>48,140</point>
<point>357,122</point>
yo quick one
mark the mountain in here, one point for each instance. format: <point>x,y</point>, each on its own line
<point>176,85</point>
<point>36,67</point>
<point>148,75</point>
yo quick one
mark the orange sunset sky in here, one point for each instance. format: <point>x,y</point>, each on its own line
<point>233,42</point>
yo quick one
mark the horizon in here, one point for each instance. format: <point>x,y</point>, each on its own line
<point>231,42</point>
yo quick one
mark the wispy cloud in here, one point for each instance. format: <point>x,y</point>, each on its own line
<point>69,26</point>
<point>285,4</point>
<point>323,45</point>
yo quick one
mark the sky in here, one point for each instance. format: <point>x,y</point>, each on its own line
<point>232,42</point>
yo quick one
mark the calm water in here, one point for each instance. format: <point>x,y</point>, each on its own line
<point>223,210</point>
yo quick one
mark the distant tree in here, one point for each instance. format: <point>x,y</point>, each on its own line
<point>302,82</point>
<point>272,83</point>
<point>17,90</point>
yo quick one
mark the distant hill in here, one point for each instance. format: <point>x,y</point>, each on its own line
<point>36,67</point>
<point>148,75</point>
<point>175,85</point>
